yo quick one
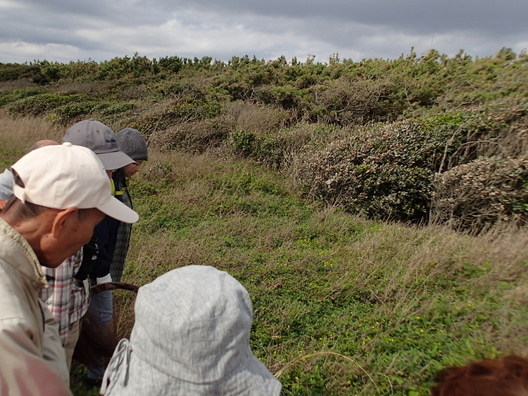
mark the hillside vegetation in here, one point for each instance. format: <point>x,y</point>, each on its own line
<point>291,176</point>
<point>418,139</point>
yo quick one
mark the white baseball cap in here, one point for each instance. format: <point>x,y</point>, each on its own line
<point>65,176</point>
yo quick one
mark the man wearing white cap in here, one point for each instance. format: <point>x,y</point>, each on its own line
<point>60,193</point>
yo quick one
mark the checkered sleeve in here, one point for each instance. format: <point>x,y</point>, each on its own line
<point>58,294</point>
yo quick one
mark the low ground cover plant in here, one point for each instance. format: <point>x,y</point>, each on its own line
<point>343,305</point>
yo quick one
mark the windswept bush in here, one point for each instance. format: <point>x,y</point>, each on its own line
<point>458,109</point>
<point>257,119</point>
<point>15,71</point>
<point>347,101</point>
<point>474,196</point>
<point>282,149</point>
<point>193,137</point>
<point>7,98</point>
<point>40,104</point>
<point>385,171</point>
<point>173,112</point>
<point>73,112</point>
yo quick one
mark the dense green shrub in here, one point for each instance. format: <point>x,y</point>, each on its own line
<point>272,150</point>
<point>384,171</point>
<point>62,108</point>
<point>40,104</point>
<point>279,150</point>
<point>72,112</point>
<point>243,143</point>
<point>39,72</point>
<point>8,97</point>
<point>15,71</point>
<point>116,108</point>
<point>126,67</point>
<point>474,196</point>
<point>171,113</point>
<point>387,171</point>
<point>193,136</point>
<point>346,101</point>
<point>299,116</point>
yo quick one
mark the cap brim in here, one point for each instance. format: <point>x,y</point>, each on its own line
<point>114,160</point>
<point>119,211</point>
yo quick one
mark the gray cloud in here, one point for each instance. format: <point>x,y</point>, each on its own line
<point>71,30</point>
<point>412,15</point>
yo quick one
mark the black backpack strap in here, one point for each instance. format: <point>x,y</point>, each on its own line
<point>90,252</point>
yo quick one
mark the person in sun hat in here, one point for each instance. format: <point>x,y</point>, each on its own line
<point>190,337</point>
<point>134,144</point>
<point>102,140</point>
<point>60,194</point>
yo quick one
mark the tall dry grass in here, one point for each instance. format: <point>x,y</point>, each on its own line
<point>19,134</point>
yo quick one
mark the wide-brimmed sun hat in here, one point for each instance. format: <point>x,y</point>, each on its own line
<point>190,337</point>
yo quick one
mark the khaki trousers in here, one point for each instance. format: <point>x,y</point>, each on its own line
<point>73,337</point>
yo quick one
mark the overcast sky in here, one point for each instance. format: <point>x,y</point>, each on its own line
<point>71,30</point>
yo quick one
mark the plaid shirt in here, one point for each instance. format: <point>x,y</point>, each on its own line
<point>67,301</point>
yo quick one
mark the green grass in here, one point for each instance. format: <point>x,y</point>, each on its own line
<point>342,305</point>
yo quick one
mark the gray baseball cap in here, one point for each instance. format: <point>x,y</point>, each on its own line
<point>101,140</point>
<point>133,143</point>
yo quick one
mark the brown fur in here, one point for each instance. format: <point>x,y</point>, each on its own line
<point>490,377</point>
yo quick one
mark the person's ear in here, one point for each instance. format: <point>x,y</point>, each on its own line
<point>62,219</point>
